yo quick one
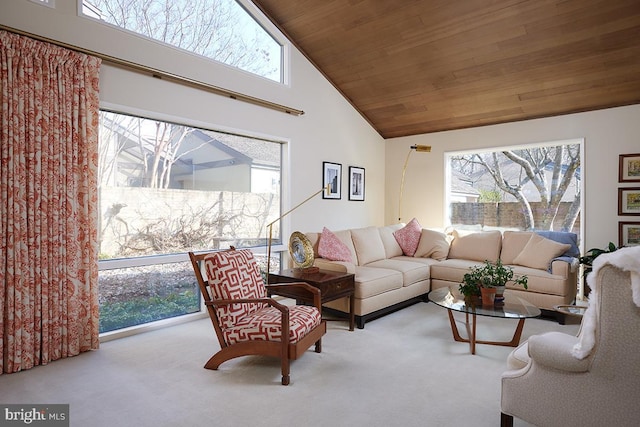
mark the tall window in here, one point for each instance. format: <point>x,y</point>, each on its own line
<point>537,187</point>
<point>166,189</point>
<point>217,29</point>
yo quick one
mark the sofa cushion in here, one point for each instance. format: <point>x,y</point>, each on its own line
<point>371,281</point>
<point>478,246</point>
<point>368,245</point>
<point>408,237</point>
<point>332,248</point>
<point>452,270</point>
<point>391,246</point>
<point>513,242</point>
<point>412,272</point>
<point>539,251</point>
<point>542,282</point>
<point>433,244</point>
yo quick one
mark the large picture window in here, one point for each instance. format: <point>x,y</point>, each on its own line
<point>222,30</point>
<point>166,189</point>
<point>534,187</point>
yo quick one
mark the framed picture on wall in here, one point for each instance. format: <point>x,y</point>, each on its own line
<point>332,176</point>
<point>356,183</point>
<point>628,233</point>
<point>629,201</point>
<point>629,169</point>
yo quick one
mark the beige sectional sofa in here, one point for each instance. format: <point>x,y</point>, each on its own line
<point>387,279</point>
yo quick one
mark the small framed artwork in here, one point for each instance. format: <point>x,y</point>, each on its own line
<point>332,176</point>
<point>356,183</point>
<point>629,201</point>
<point>629,169</point>
<point>629,233</point>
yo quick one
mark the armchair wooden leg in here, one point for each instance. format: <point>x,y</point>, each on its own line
<point>506,420</point>
<point>285,371</point>
<point>319,346</point>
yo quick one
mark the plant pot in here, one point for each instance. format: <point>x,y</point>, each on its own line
<point>472,300</point>
<point>500,294</point>
<point>488,296</point>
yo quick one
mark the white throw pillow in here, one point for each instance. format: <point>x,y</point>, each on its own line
<point>539,252</point>
<point>433,244</point>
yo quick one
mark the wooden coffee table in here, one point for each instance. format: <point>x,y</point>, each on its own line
<point>513,308</point>
<point>332,284</point>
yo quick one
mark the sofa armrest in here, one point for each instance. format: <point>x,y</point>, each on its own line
<point>339,266</point>
<point>564,266</point>
<point>554,350</point>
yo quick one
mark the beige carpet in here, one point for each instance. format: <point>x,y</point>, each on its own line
<point>401,370</point>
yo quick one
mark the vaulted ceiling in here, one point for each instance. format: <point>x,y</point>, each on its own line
<point>420,66</point>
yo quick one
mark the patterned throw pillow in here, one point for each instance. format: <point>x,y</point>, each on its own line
<point>331,247</point>
<point>408,237</point>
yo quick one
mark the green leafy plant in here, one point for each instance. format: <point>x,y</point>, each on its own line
<point>489,275</point>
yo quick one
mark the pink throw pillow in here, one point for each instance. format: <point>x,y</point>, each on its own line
<point>332,248</point>
<point>408,237</point>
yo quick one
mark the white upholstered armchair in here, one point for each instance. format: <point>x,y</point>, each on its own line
<point>592,379</point>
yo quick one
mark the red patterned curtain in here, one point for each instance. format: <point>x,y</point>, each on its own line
<point>48,202</point>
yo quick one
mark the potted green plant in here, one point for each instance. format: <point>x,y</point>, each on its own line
<point>489,276</point>
<point>587,261</point>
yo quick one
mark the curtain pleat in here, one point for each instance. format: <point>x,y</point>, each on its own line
<point>48,207</point>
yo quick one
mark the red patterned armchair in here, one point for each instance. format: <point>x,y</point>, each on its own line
<point>246,321</point>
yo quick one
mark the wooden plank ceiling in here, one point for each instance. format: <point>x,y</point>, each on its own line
<point>413,67</point>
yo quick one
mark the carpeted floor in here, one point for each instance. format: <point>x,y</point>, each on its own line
<point>401,370</point>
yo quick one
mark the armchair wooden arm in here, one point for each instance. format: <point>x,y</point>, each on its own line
<point>254,327</point>
<point>313,291</point>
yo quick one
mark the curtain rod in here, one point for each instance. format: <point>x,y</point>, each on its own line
<point>163,75</point>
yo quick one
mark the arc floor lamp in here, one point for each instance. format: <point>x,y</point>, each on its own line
<point>419,149</point>
<point>270,225</point>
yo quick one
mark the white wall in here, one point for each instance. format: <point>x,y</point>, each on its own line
<point>330,129</point>
<point>607,134</point>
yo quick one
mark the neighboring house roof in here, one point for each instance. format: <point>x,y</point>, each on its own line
<point>266,155</point>
<point>461,185</point>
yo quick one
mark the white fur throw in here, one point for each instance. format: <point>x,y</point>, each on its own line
<point>627,259</point>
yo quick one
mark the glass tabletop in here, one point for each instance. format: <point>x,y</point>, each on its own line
<point>574,310</point>
<point>513,306</point>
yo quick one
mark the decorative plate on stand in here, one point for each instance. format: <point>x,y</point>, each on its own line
<point>301,251</point>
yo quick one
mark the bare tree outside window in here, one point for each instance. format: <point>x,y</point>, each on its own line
<point>540,179</point>
<point>217,29</point>
<point>168,188</point>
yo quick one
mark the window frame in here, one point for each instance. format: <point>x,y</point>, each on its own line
<point>277,248</point>
<point>251,9</point>
<point>569,141</point>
